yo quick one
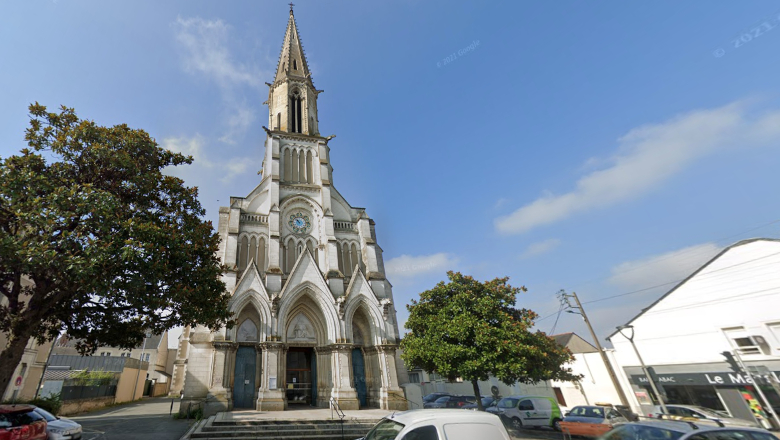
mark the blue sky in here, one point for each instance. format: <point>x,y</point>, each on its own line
<point>599,147</point>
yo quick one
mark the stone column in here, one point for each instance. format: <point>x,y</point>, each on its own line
<point>341,375</point>
<point>220,396</point>
<point>270,393</point>
<point>391,396</point>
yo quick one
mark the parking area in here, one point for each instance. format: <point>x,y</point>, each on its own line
<point>148,419</point>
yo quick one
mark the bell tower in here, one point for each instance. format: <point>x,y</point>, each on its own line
<point>292,98</point>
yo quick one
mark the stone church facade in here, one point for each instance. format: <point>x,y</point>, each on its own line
<point>315,319</point>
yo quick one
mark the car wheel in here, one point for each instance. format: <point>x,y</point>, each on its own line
<point>557,425</point>
<point>517,423</point>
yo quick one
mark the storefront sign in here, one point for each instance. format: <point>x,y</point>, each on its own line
<point>707,379</point>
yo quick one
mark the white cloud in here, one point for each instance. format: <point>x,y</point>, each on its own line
<point>664,268</point>
<point>407,266</point>
<point>194,146</point>
<point>205,43</point>
<point>647,156</point>
<point>541,247</point>
<point>205,51</point>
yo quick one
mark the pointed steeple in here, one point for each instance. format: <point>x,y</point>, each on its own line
<point>292,98</point>
<point>292,61</point>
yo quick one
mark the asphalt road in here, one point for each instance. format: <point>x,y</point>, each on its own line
<point>535,434</point>
<point>148,419</point>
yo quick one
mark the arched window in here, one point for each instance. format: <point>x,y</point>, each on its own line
<point>287,166</point>
<point>252,257</point>
<point>309,167</point>
<point>311,125</point>
<point>242,252</point>
<point>347,260</point>
<point>354,256</point>
<point>339,257</point>
<point>296,111</point>
<point>289,256</point>
<point>302,167</point>
<point>261,255</point>
<point>294,165</point>
<point>278,121</point>
<point>295,64</point>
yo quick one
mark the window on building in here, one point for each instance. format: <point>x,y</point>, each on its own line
<point>559,396</point>
<point>746,341</point>
<point>295,64</point>
<point>414,377</point>
<point>146,358</point>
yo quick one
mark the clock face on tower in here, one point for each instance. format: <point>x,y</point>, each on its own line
<point>299,223</point>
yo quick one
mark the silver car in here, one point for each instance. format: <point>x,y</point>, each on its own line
<point>700,414</point>
<point>682,430</point>
<point>60,429</point>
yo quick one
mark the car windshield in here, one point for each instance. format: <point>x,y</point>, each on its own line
<point>45,414</point>
<point>8,420</point>
<point>442,399</point>
<point>385,430</point>
<point>641,432</point>
<point>507,403</point>
<point>709,412</point>
<point>487,401</point>
<point>431,397</point>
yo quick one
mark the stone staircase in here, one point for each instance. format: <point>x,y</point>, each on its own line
<point>217,428</point>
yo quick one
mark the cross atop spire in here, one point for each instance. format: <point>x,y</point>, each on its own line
<point>292,61</point>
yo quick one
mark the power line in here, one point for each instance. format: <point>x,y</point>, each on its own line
<point>678,281</point>
<point>681,254</point>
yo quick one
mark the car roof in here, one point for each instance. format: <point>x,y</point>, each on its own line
<point>685,426</point>
<point>455,415</point>
<point>528,397</point>
<point>11,409</point>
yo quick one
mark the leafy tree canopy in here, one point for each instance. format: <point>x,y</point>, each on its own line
<point>96,240</point>
<point>472,330</point>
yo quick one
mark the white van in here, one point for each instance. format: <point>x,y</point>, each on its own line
<point>519,411</point>
<point>438,424</point>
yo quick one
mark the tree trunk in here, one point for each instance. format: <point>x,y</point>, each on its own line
<point>475,384</point>
<point>10,358</point>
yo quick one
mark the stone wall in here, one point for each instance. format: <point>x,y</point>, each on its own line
<point>72,407</point>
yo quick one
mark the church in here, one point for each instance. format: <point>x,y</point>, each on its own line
<point>314,313</point>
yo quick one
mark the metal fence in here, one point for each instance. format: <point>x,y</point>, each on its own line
<point>75,392</point>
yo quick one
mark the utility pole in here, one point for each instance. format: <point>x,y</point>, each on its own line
<point>610,370</point>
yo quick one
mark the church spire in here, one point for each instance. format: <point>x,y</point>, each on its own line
<point>292,98</point>
<point>292,60</point>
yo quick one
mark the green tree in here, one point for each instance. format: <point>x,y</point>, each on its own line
<point>472,330</point>
<point>96,240</point>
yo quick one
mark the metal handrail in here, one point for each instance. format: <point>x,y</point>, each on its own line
<point>339,412</point>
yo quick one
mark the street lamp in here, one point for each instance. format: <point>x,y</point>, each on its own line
<point>147,335</point>
<point>642,363</point>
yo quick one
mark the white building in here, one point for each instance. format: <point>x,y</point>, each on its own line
<point>314,310</point>
<point>730,303</point>
<point>595,385</point>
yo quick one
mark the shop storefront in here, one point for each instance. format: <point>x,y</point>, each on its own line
<point>711,387</point>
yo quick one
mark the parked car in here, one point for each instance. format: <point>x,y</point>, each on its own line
<point>58,428</point>
<point>699,413</point>
<point>487,402</point>
<point>590,421</point>
<point>519,411</point>
<point>21,422</point>
<point>449,402</point>
<point>433,396</point>
<point>449,424</point>
<point>681,430</point>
